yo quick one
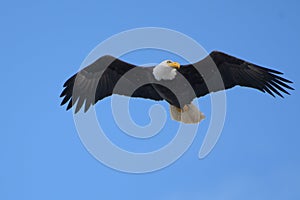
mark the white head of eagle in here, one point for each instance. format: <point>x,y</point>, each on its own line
<point>166,70</point>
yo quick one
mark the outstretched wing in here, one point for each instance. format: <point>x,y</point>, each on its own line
<point>99,79</point>
<point>233,71</point>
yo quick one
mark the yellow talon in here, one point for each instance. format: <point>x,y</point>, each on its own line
<point>184,109</point>
<point>178,109</point>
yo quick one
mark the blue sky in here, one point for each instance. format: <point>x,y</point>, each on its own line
<point>42,157</point>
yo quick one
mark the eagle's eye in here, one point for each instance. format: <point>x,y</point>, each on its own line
<point>169,61</point>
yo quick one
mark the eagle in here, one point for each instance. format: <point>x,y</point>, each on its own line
<point>177,84</point>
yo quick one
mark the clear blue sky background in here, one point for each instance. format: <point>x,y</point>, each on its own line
<point>42,157</point>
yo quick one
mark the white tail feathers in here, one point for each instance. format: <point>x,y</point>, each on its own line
<point>190,114</point>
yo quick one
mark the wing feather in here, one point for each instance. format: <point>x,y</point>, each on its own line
<point>99,79</point>
<point>233,71</point>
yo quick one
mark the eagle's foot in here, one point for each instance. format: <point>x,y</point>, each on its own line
<point>184,109</point>
<point>178,109</point>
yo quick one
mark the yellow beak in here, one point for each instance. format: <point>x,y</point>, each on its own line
<point>174,65</point>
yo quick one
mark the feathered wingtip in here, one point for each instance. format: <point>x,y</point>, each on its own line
<point>274,82</point>
<point>67,92</point>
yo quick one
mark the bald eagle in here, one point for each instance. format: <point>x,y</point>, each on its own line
<point>170,81</point>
